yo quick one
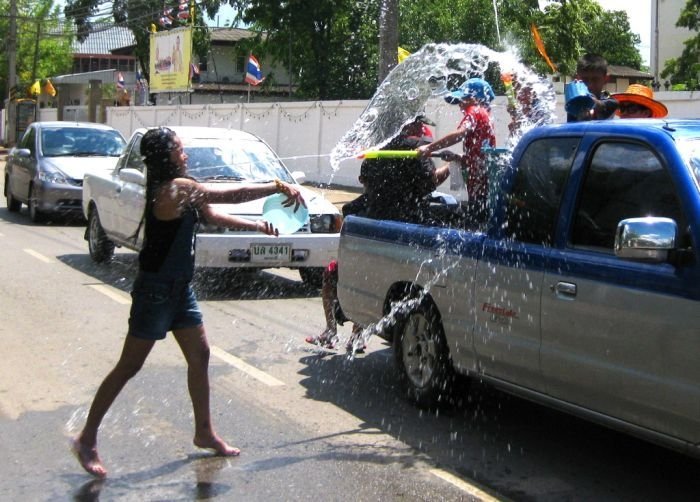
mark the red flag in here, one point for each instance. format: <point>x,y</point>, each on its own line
<point>540,47</point>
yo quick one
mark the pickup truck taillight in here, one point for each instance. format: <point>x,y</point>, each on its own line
<point>325,223</point>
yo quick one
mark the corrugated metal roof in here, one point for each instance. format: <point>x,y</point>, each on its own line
<point>104,39</point>
<point>627,72</point>
<point>106,76</point>
<point>230,34</point>
<point>107,38</point>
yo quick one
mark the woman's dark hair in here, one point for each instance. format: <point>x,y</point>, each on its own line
<point>156,146</point>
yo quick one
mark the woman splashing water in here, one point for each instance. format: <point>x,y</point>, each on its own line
<point>162,296</point>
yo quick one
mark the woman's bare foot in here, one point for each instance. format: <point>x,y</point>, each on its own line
<point>217,444</point>
<point>88,458</point>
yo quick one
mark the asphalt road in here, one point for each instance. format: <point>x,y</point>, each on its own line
<point>311,424</point>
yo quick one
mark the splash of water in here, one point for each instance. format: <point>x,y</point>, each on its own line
<point>434,71</point>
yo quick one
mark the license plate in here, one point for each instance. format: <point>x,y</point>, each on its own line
<point>270,252</point>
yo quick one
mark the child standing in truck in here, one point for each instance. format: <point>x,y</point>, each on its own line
<point>592,70</point>
<point>475,131</point>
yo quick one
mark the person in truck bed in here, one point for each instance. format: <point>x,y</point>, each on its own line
<point>475,131</point>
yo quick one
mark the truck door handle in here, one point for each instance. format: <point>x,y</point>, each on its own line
<point>565,290</point>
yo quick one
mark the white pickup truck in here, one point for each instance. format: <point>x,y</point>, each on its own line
<point>113,205</point>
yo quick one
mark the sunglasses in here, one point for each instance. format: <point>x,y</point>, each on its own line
<point>632,108</point>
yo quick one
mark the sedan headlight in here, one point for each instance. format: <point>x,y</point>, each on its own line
<point>56,177</point>
<point>325,223</point>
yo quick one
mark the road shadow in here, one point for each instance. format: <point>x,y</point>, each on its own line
<point>209,285</point>
<point>59,220</point>
<point>516,448</point>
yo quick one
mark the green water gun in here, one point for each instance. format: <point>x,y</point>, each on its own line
<point>397,154</point>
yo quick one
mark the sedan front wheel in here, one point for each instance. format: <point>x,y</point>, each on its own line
<point>34,213</point>
<point>100,247</point>
<point>13,205</point>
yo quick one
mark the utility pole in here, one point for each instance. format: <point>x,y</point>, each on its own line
<point>12,49</point>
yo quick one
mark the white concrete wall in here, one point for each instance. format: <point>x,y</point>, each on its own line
<point>304,133</point>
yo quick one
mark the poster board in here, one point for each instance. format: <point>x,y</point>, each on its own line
<point>170,53</point>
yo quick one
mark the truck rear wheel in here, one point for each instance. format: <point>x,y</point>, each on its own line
<point>100,247</point>
<point>422,356</point>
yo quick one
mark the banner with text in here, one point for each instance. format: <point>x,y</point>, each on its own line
<point>170,56</point>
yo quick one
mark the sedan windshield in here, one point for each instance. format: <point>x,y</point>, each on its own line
<point>81,142</point>
<point>213,159</point>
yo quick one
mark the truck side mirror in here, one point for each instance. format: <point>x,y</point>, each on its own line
<point>646,239</point>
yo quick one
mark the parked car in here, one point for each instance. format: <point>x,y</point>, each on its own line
<point>113,204</point>
<point>45,169</point>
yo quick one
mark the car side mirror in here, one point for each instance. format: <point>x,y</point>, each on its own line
<point>648,239</point>
<point>23,152</point>
<point>299,176</point>
<point>130,175</point>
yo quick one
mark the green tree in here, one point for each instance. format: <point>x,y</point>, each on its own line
<point>684,71</point>
<point>327,44</point>
<point>571,28</point>
<point>43,50</point>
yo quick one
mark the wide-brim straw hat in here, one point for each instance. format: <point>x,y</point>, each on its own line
<point>642,95</point>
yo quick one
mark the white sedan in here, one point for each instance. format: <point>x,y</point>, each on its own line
<point>113,204</point>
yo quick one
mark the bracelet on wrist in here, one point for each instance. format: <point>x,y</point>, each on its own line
<point>279,185</point>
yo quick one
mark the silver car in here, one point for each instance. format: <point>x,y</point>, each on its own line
<point>45,169</point>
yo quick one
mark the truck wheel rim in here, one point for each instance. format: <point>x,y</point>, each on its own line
<point>418,350</point>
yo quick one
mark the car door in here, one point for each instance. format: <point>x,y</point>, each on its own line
<point>124,204</point>
<point>621,337</point>
<point>24,168</point>
<point>508,284</point>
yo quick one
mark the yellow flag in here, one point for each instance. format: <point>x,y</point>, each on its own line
<point>540,47</point>
<point>35,89</point>
<point>403,54</point>
<point>49,88</point>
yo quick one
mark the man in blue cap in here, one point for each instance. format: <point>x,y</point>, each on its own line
<point>475,131</point>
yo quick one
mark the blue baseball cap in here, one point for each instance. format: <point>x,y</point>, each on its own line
<point>475,88</point>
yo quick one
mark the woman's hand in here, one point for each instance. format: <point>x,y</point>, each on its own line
<point>293,194</point>
<point>266,228</point>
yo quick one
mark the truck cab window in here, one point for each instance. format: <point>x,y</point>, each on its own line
<point>623,180</point>
<point>532,209</point>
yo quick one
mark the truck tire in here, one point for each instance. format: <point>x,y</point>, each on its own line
<point>13,205</point>
<point>312,277</point>
<point>100,247</point>
<point>422,356</point>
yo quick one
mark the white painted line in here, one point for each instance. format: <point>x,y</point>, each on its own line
<point>469,487</point>
<point>237,363</point>
<point>38,256</point>
<point>114,294</point>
